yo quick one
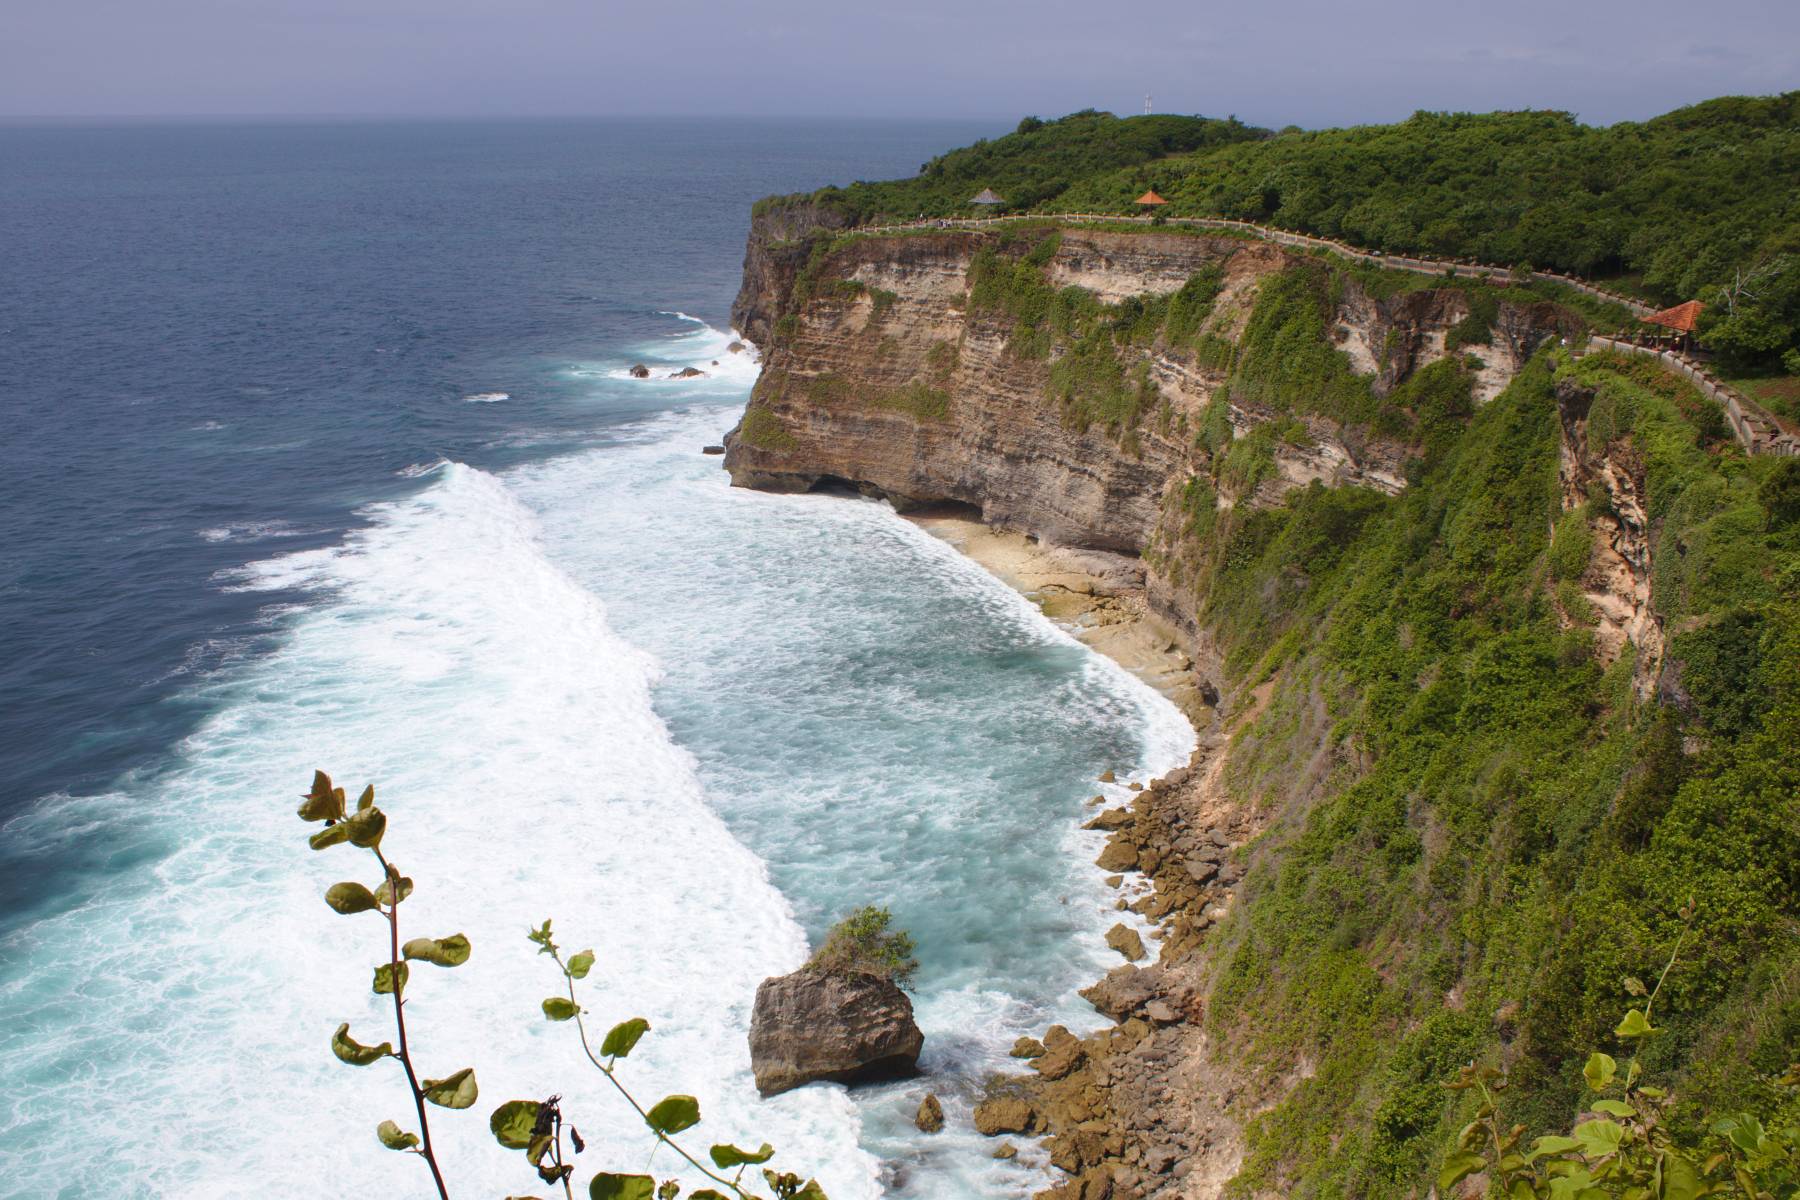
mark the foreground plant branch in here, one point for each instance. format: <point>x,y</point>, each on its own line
<point>536,1127</point>
<point>365,827</point>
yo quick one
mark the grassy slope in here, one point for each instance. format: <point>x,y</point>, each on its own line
<point>1523,832</point>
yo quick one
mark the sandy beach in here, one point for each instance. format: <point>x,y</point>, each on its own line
<point>1097,596</point>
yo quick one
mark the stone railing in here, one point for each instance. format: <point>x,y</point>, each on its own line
<point>1754,429</point>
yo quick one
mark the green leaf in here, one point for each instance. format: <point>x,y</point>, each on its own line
<point>324,802</point>
<point>538,1147</point>
<point>385,893</point>
<point>556,1008</point>
<point>621,1187</point>
<point>355,1053</point>
<point>622,1037</point>
<point>581,964</point>
<point>1551,1145</point>
<point>1458,1167</point>
<point>727,1156</point>
<point>1599,1071</point>
<point>331,835</point>
<point>1615,1108</point>
<point>367,799</point>
<point>1635,1025</point>
<point>672,1114</point>
<point>513,1122</point>
<point>812,1191</point>
<point>394,1138</point>
<point>384,978</point>
<point>366,826</point>
<point>349,898</point>
<point>452,951</point>
<point>452,1091</point>
<point>1599,1138</point>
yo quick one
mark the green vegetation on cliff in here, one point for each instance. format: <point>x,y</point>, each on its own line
<point>1031,166</point>
<point>1509,828</point>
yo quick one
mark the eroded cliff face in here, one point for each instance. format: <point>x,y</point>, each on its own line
<point>880,371</point>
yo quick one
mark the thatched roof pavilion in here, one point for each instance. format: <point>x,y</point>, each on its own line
<point>987,197</point>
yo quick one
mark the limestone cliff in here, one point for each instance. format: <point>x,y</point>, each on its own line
<point>884,370</point>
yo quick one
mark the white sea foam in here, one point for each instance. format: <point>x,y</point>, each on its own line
<point>250,531</point>
<point>487,397</point>
<point>511,735</point>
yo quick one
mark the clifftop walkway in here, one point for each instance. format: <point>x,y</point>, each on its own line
<point>1754,429</point>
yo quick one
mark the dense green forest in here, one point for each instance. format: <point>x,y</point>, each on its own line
<point>1701,203</point>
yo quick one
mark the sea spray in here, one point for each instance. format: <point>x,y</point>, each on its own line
<point>176,1025</point>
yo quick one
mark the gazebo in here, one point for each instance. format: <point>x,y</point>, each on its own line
<point>1150,200</point>
<point>987,198</point>
<point>1683,318</point>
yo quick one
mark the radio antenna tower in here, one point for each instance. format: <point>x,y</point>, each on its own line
<point>1146,104</point>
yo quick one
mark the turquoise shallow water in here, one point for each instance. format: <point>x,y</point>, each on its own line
<point>591,682</point>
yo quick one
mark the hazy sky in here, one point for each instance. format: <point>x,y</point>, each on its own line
<point>1310,62</point>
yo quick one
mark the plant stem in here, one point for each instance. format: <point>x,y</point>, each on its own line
<point>394,969</point>
<point>581,1028</point>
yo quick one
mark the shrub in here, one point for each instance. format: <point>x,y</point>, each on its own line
<point>866,941</point>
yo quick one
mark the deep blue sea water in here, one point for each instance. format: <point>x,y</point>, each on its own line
<point>318,448</point>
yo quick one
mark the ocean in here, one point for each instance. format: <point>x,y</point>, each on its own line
<point>320,449</point>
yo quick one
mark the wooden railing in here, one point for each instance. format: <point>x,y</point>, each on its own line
<point>1754,429</point>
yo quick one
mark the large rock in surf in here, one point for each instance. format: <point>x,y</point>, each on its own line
<point>836,1027</point>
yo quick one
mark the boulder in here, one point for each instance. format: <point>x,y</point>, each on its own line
<point>1124,990</point>
<point>688,373</point>
<point>1027,1047</point>
<point>1004,1114</point>
<point>1006,1150</point>
<point>837,1027</point>
<point>1107,777</point>
<point>1119,855</point>
<point>735,348</point>
<point>640,371</point>
<point>1126,941</point>
<point>1110,819</point>
<point>930,1117</point>
<point>712,449</point>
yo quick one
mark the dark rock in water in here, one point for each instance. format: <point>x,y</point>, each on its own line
<point>1110,819</point>
<point>640,371</point>
<point>931,1114</point>
<point>1107,777</point>
<point>735,348</point>
<point>1027,1047</point>
<point>712,449</point>
<point>689,373</point>
<point>1006,1150</point>
<point>815,1026</point>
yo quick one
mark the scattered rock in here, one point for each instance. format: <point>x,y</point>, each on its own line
<point>1135,786</point>
<point>1027,1047</point>
<point>689,373</point>
<point>1124,990</point>
<point>837,1027</point>
<point>1114,880</point>
<point>1110,819</point>
<point>1108,777</point>
<point>1126,941</point>
<point>1160,1013</point>
<point>1119,855</point>
<point>712,449</point>
<point>1006,1150</point>
<point>1201,870</point>
<point>640,371</point>
<point>1004,1114</point>
<point>930,1117</point>
<point>735,348</point>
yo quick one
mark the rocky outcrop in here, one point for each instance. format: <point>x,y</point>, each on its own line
<point>1616,584</point>
<point>881,373</point>
<point>826,1026</point>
